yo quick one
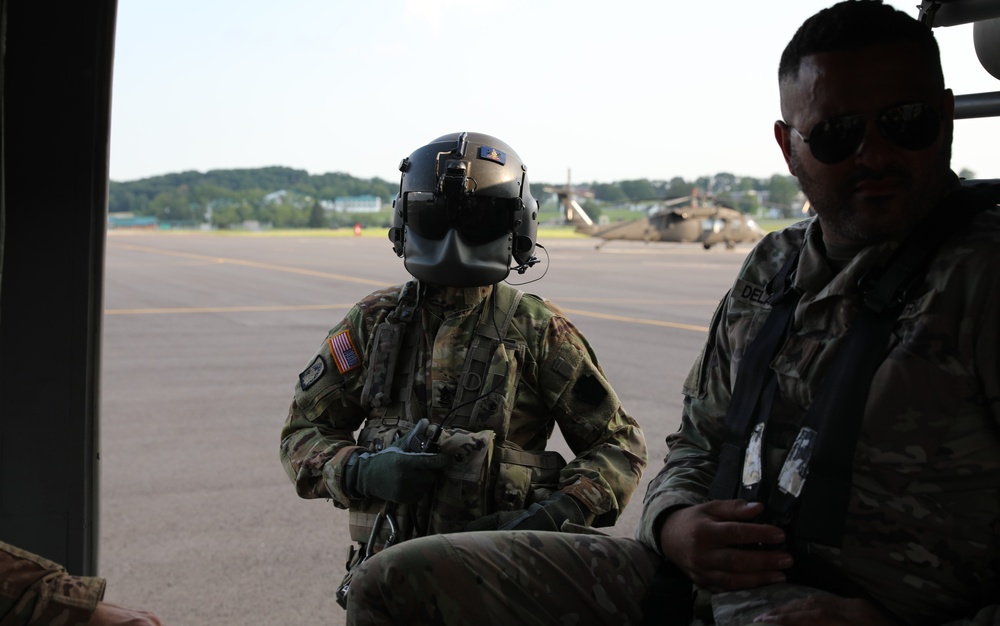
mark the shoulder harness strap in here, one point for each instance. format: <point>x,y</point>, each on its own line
<point>755,384</point>
<point>824,448</point>
<point>389,338</point>
<point>834,417</point>
<point>494,321</point>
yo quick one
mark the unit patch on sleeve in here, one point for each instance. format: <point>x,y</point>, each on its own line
<point>589,390</point>
<point>312,373</point>
<point>344,354</point>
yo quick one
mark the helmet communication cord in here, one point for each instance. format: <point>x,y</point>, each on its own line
<point>523,267</point>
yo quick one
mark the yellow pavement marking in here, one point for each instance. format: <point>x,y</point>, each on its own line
<point>318,307</point>
<point>265,266</point>
<point>636,320</point>
<point>228,309</point>
<point>558,301</point>
<point>296,270</point>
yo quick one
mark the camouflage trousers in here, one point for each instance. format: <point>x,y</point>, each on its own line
<point>534,579</point>
<point>504,578</point>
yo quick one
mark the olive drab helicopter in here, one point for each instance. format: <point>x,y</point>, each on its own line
<point>689,219</point>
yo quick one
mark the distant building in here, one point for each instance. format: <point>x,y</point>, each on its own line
<point>358,204</point>
<point>276,197</point>
<point>135,222</point>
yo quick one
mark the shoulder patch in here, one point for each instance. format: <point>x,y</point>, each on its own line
<point>344,354</point>
<point>312,373</point>
<point>589,390</point>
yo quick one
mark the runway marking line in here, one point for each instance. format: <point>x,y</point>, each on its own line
<point>637,320</point>
<point>295,270</point>
<point>266,266</point>
<point>228,309</point>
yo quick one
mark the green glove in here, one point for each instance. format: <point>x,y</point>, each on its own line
<point>396,474</point>
<point>549,514</point>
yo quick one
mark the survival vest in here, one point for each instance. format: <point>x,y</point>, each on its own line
<point>487,472</point>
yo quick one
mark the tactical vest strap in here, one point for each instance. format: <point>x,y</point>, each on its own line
<point>494,321</point>
<point>389,337</point>
<point>546,460</point>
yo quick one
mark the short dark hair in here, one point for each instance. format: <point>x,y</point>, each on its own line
<point>854,24</point>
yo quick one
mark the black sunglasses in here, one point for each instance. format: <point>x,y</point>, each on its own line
<point>909,126</point>
<point>477,219</point>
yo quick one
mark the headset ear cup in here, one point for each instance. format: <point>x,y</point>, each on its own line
<point>522,248</point>
<point>396,237</point>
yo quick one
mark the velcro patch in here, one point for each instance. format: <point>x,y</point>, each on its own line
<point>312,373</point>
<point>492,154</point>
<point>344,354</point>
<point>588,389</point>
<point>750,293</point>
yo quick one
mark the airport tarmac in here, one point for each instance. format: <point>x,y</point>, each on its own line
<point>204,337</point>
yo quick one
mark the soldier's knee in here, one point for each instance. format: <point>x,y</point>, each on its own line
<point>388,577</point>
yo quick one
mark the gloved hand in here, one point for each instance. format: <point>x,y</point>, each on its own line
<point>549,514</point>
<point>396,474</point>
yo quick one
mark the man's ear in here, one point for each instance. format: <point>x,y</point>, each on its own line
<point>948,111</point>
<point>783,135</point>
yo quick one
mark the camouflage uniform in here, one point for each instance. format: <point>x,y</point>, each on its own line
<point>34,590</point>
<point>924,514</point>
<point>554,379</point>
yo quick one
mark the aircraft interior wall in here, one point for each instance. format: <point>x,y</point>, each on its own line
<point>56,106</point>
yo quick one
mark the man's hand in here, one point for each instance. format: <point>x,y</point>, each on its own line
<point>396,474</point>
<point>705,542</point>
<point>826,610</point>
<point>107,614</point>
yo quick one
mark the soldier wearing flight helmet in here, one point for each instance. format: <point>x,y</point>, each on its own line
<point>455,380</point>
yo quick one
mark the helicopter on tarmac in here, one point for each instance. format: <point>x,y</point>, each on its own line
<point>691,219</point>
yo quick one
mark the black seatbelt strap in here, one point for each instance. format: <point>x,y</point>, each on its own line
<point>752,381</point>
<point>836,412</point>
<point>824,448</point>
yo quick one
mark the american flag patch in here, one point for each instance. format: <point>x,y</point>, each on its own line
<point>344,354</point>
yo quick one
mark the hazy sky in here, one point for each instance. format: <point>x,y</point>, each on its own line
<point>611,90</point>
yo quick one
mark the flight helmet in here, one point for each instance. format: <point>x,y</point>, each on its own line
<point>464,211</point>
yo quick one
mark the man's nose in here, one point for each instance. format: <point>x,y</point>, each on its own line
<point>875,149</point>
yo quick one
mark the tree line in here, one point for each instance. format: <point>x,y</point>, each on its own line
<point>229,198</point>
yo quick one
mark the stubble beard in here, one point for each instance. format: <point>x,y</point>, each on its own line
<point>838,214</point>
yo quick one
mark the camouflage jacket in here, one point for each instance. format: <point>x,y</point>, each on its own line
<point>559,382</point>
<point>923,521</point>
<point>34,590</point>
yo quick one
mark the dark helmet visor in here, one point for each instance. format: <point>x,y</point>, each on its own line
<point>477,219</point>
